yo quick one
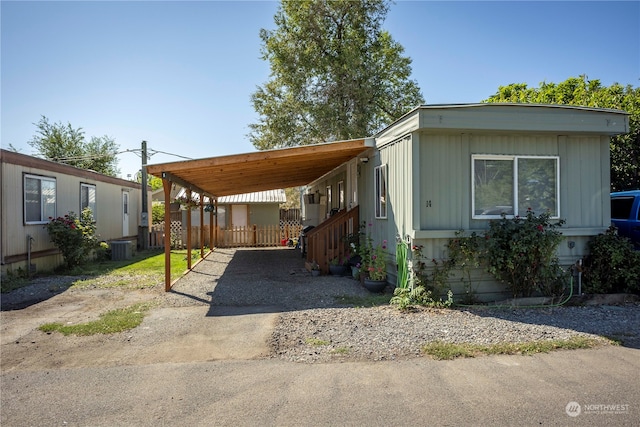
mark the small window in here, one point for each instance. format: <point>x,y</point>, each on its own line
<point>511,185</point>
<point>88,198</point>
<point>39,199</point>
<point>329,202</point>
<point>380,179</point>
<point>621,207</point>
<point>341,195</point>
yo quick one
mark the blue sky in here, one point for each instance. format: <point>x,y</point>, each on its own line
<point>180,74</point>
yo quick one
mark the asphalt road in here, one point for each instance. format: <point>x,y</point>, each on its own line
<point>485,391</point>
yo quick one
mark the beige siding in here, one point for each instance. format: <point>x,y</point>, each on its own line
<point>108,215</point>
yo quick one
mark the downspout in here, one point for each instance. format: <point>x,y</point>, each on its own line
<point>29,240</point>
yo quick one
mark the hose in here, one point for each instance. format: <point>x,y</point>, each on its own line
<point>401,260</point>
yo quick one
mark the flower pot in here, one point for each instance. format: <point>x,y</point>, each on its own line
<point>337,270</point>
<point>355,272</point>
<point>374,285</point>
<point>315,272</point>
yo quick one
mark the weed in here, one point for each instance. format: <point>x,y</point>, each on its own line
<point>447,351</point>
<point>316,342</point>
<point>368,301</point>
<point>109,323</point>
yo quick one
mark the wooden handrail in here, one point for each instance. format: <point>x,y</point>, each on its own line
<point>327,241</point>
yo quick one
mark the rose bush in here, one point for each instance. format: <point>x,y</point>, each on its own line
<point>75,237</point>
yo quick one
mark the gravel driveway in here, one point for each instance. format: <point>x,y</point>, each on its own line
<point>313,326</point>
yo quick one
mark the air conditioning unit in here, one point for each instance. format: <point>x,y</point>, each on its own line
<point>120,250</point>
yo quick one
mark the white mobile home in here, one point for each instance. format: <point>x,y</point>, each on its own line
<point>34,189</point>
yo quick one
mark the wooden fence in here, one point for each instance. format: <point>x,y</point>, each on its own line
<point>251,236</point>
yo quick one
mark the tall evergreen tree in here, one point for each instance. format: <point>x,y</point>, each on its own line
<point>335,74</point>
<point>625,149</point>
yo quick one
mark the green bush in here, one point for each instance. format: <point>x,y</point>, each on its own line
<point>157,213</point>
<point>404,298</point>
<point>612,265</point>
<point>521,252</point>
<point>75,237</point>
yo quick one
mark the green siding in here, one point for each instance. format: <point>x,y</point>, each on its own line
<point>264,214</point>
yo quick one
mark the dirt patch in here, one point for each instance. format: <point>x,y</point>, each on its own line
<point>226,308</point>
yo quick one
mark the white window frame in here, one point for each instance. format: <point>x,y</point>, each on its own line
<point>329,201</point>
<point>380,191</point>
<point>89,188</point>
<point>341,201</point>
<point>514,159</point>
<point>44,213</point>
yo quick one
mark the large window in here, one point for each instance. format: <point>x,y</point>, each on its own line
<point>511,185</point>
<point>380,178</point>
<point>39,199</point>
<point>88,198</point>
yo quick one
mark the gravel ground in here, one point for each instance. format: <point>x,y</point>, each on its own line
<point>315,325</point>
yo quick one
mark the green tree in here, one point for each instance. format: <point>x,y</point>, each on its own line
<point>64,144</point>
<point>153,181</point>
<point>625,149</point>
<point>335,74</point>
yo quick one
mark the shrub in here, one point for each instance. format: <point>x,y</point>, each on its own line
<point>404,298</point>
<point>157,213</point>
<point>75,237</point>
<point>612,264</point>
<point>521,252</point>
<point>434,278</point>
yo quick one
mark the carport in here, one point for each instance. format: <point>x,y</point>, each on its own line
<point>245,173</point>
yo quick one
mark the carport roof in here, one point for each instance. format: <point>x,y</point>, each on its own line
<point>261,170</point>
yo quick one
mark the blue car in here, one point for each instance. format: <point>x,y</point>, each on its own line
<point>625,214</point>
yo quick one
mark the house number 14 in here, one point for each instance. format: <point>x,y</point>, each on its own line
<point>428,203</point>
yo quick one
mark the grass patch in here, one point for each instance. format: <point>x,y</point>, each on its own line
<point>12,282</point>
<point>111,322</point>
<point>340,350</point>
<point>144,270</point>
<point>447,351</point>
<point>316,342</point>
<point>372,300</point>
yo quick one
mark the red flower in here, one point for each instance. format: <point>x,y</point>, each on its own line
<point>540,228</point>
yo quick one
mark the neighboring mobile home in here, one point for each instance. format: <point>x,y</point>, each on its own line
<point>34,189</point>
<point>242,210</point>
<point>431,171</point>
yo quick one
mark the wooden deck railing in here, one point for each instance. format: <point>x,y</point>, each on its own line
<point>328,240</point>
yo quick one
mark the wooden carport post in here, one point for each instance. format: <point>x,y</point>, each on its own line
<point>166,185</point>
<point>189,230</point>
<point>210,225</point>
<point>201,226</point>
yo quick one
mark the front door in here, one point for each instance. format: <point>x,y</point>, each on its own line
<point>125,214</point>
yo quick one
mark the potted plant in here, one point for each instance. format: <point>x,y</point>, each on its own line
<point>315,268</point>
<point>337,266</point>
<point>374,265</point>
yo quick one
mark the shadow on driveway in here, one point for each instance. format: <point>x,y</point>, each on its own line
<point>247,280</point>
